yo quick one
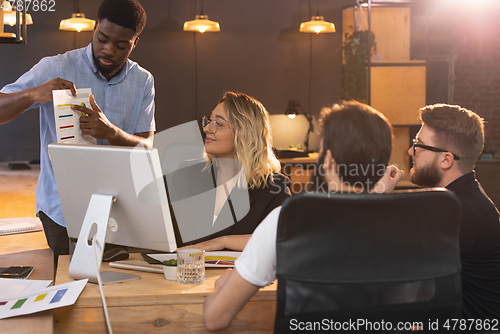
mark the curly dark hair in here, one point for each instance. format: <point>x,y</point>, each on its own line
<point>125,13</point>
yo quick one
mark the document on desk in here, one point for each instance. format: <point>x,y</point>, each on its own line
<point>14,287</point>
<point>40,299</point>
<point>20,225</point>
<point>67,120</point>
<point>215,259</point>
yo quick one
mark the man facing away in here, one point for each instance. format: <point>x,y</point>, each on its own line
<point>444,154</point>
<point>123,90</point>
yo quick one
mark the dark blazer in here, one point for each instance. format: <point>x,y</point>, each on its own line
<point>186,186</point>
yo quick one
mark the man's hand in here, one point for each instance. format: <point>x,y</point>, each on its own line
<point>12,105</point>
<point>389,181</point>
<point>93,122</point>
<point>231,294</point>
<point>219,282</point>
<point>43,93</point>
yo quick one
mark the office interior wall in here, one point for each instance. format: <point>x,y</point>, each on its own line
<point>259,51</point>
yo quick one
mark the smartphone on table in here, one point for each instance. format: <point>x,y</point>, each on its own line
<point>18,272</point>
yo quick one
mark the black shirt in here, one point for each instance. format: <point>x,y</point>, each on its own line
<point>479,249</point>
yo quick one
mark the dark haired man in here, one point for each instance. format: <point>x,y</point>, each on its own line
<point>256,267</point>
<point>122,107</point>
<point>444,154</point>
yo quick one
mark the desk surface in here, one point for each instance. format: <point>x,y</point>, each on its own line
<point>28,249</point>
<point>154,304</point>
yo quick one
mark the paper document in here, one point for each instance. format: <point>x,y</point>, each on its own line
<point>20,225</point>
<point>11,288</point>
<point>67,120</point>
<point>40,300</point>
<point>216,259</point>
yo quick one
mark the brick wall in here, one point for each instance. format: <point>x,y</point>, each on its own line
<point>477,75</point>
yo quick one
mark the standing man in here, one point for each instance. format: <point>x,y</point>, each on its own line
<point>444,154</point>
<point>123,90</point>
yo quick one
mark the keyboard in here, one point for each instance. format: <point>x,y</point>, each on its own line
<point>137,265</point>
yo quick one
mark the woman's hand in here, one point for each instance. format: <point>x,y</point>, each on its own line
<point>209,245</point>
<point>232,242</point>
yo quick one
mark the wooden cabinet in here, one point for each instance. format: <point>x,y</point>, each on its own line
<point>397,85</point>
<point>300,171</point>
<point>390,25</point>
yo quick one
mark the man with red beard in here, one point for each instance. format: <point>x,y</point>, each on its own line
<point>121,108</point>
<point>444,154</point>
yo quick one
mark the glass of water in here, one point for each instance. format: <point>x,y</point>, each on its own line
<point>190,266</point>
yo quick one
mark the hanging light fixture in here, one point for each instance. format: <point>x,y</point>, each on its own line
<point>77,22</point>
<point>9,16</point>
<point>317,24</point>
<point>202,24</point>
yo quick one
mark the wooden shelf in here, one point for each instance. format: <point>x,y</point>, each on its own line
<point>9,37</point>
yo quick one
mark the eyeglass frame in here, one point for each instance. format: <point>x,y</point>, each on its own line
<point>430,148</point>
<point>207,121</point>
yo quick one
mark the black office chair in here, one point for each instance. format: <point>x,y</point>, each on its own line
<point>378,258</point>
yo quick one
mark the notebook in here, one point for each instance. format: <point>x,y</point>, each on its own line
<point>20,225</point>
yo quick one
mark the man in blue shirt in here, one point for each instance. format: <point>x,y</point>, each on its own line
<point>122,104</point>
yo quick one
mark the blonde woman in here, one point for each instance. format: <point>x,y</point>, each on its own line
<point>239,147</point>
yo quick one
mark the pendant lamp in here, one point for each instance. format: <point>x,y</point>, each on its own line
<point>77,22</point>
<point>202,24</point>
<point>317,25</point>
<point>9,16</point>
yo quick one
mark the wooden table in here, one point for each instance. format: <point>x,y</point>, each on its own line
<point>28,249</point>
<point>153,304</point>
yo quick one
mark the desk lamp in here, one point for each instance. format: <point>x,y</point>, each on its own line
<point>292,111</point>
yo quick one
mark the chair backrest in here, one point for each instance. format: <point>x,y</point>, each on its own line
<point>373,258</point>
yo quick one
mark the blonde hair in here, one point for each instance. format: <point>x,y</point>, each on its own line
<point>252,138</point>
<point>456,129</point>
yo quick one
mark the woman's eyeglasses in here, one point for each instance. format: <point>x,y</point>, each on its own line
<point>213,125</point>
<point>430,148</point>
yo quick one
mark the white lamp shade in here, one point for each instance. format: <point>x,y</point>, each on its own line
<point>317,25</point>
<point>9,16</point>
<point>201,24</point>
<point>77,22</point>
<point>287,131</point>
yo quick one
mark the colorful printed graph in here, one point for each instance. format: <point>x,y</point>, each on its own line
<point>220,260</point>
<point>68,120</point>
<point>17,304</point>
<point>43,299</point>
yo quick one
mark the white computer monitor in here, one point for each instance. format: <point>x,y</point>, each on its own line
<point>117,192</point>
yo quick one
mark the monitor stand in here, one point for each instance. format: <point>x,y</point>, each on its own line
<point>83,263</point>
